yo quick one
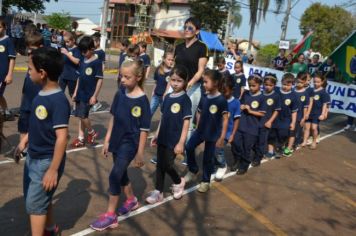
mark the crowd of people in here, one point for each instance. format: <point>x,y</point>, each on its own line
<point>198,105</point>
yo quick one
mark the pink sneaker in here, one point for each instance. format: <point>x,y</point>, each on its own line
<point>129,205</point>
<point>178,189</point>
<point>106,220</point>
<point>154,197</point>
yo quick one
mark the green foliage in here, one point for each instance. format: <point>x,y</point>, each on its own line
<point>331,24</point>
<point>59,21</point>
<point>212,14</point>
<point>30,6</point>
<point>267,53</point>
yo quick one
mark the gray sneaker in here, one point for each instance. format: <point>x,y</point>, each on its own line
<point>189,177</point>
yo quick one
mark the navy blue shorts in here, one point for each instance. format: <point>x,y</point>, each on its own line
<point>23,122</point>
<point>82,109</point>
<point>313,120</point>
<point>37,199</point>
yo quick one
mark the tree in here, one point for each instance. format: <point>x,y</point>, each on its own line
<point>212,14</point>
<point>267,53</point>
<point>236,17</point>
<point>30,6</point>
<point>59,21</point>
<point>258,8</point>
<point>330,24</point>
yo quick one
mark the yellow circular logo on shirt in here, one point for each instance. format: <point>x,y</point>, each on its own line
<point>254,104</point>
<point>175,108</point>
<point>302,98</point>
<point>238,80</point>
<point>213,109</point>
<point>316,97</point>
<point>270,101</point>
<point>2,48</point>
<point>287,102</point>
<point>41,112</point>
<point>168,78</point>
<point>70,53</point>
<point>89,71</point>
<point>136,111</point>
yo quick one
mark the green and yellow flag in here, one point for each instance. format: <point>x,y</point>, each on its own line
<point>344,57</point>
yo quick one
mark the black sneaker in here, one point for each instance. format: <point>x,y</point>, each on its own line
<point>153,160</point>
<point>241,171</point>
<point>235,166</point>
<point>255,163</point>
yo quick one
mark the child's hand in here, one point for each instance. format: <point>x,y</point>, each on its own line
<point>49,180</point>
<point>247,108</point>
<point>190,85</point>
<point>154,141</point>
<point>18,151</point>
<point>64,51</point>
<point>242,107</point>
<point>92,100</point>
<point>74,97</point>
<point>292,126</point>
<point>231,139</point>
<point>321,117</point>
<point>220,143</point>
<point>302,122</point>
<point>105,149</point>
<point>179,148</point>
<point>138,161</point>
<point>8,79</point>
<point>268,124</point>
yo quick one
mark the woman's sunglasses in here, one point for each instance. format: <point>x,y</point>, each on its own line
<point>189,28</point>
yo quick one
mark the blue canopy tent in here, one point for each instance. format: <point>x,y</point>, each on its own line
<point>211,40</point>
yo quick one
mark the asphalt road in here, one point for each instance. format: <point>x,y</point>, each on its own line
<point>311,193</point>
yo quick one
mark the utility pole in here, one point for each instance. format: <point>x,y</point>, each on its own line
<point>285,20</point>
<point>0,7</point>
<point>227,30</point>
<point>104,21</point>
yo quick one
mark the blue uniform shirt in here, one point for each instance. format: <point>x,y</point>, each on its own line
<point>328,71</point>
<point>71,70</point>
<point>122,58</point>
<point>320,97</point>
<point>310,91</point>
<point>146,59</point>
<point>239,82</point>
<point>211,109</point>
<point>29,92</point>
<point>131,116</point>
<point>161,82</point>
<point>312,68</point>
<point>50,110</point>
<point>289,104</point>
<point>279,62</point>
<point>7,52</point>
<point>233,105</point>
<point>303,102</point>
<point>175,109</point>
<point>249,123</point>
<point>272,103</point>
<point>90,72</point>
<point>101,55</point>
<point>225,73</point>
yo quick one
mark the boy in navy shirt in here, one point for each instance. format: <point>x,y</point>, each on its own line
<point>47,140</point>
<point>7,62</point>
<point>29,89</point>
<point>87,90</point>
<point>328,69</point>
<point>280,62</point>
<point>100,53</point>
<point>314,66</point>
<point>253,108</point>
<point>145,58</point>
<point>239,80</point>
<point>221,65</point>
<point>287,117</point>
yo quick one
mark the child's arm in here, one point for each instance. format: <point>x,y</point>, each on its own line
<point>254,113</point>
<point>179,148</point>
<point>294,119</point>
<point>94,98</point>
<point>269,123</point>
<point>50,178</point>
<point>242,92</point>
<point>234,129</point>
<point>305,111</point>
<point>324,112</point>
<point>197,117</point>
<point>107,137</point>
<point>220,142</point>
<point>148,69</point>
<point>8,78</point>
<point>141,147</point>
<point>70,56</point>
<point>20,147</point>
<point>75,91</point>
<point>154,139</point>
<point>309,109</point>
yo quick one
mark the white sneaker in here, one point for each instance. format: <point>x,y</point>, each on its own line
<point>220,173</point>
<point>96,107</point>
<point>204,187</point>
<point>189,177</point>
<point>310,141</point>
<point>318,139</point>
<point>154,197</point>
<point>347,127</point>
<point>178,189</point>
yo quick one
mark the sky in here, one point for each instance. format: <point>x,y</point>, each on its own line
<point>268,31</point>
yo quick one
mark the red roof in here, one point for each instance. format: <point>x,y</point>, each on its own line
<point>168,33</point>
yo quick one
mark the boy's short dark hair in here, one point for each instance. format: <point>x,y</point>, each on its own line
<point>49,60</point>
<point>133,50</point>
<point>195,21</point>
<point>125,42</point>
<point>142,45</point>
<point>220,60</point>
<point>288,78</point>
<point>85,44</point>
<point>270,77</point>
<point>34,39</point>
